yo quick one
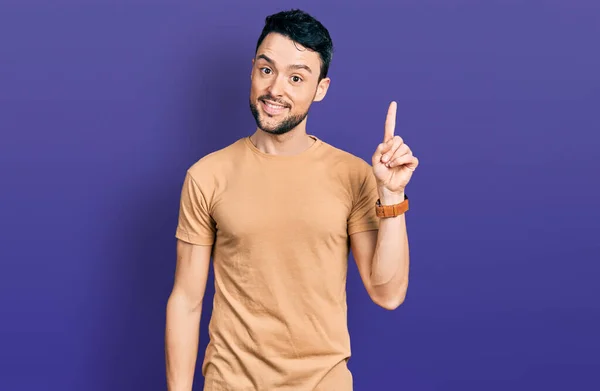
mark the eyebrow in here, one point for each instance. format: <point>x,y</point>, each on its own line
<point>293,66</point>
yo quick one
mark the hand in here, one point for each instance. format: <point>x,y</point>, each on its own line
<point>393,162</point>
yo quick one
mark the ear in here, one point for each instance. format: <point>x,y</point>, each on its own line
<point>322,89</point>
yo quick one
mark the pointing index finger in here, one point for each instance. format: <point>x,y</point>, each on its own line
<point>390,122</point>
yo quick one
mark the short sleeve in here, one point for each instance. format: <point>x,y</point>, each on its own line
<point>195,224</point>
<point>363,216</point>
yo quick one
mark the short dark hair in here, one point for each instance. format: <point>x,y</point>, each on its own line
<point>304,29</point>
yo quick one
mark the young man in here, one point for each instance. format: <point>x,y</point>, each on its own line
<point>279,211</point>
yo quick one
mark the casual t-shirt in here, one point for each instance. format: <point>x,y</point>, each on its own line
<point>279,227</point>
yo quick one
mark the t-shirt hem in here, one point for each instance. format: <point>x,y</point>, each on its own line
<point>363,228</point>
<point>181,234</point>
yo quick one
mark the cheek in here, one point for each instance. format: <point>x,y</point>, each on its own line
<point>257,86</point>
<point>302,99</point>
<point>254,87</point>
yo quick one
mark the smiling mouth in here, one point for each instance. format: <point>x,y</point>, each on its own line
<point>272,108</point>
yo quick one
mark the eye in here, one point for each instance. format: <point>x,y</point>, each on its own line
<point>296,79</point>
<point>265,70</point>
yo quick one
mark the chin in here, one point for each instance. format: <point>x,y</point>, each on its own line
<point>276,129</point>
<point>285,125</point>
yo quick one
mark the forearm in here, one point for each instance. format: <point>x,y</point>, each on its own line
<point>390,264</point>
<point>181,342</point>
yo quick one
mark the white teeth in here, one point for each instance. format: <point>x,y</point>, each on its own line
<point>274,106</point>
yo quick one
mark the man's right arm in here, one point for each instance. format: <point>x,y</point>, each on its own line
<point>184,309</point>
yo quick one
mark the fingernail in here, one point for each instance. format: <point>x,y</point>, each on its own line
<point>385,158</point>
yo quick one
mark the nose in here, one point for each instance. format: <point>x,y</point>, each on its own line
<point>276,87</point>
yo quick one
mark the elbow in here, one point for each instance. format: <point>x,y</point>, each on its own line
<point>182,302</point>
<point>392,303</point>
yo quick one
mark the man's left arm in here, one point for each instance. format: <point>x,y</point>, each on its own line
<point>382,256</point>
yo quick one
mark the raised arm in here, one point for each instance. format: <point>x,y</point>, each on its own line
<point>383,256</point>
<point>184,309</point>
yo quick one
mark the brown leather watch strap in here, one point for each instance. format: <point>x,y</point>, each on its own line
<point>391,210</point>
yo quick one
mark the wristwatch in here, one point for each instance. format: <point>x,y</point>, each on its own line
<point>391,210</point>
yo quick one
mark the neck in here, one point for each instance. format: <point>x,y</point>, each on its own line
<point>291,143</point>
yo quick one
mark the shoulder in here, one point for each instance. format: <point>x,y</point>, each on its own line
<point>346,163</point>
<point>352,172</point>
<point>215,163</point>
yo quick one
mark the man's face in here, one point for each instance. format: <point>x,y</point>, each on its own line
<point>285,82</point>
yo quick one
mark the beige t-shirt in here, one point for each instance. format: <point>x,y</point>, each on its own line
<point>280,227</point>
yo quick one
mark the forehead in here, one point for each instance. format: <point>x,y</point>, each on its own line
<point>286,52</point>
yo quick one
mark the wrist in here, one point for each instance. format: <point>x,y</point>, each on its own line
<point>387,197</point>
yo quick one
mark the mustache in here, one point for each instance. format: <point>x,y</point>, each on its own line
<point>270,98</point>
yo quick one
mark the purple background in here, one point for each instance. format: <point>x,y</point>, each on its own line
<point>103,106</point>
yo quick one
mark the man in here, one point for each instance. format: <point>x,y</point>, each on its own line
<point>279,211</point>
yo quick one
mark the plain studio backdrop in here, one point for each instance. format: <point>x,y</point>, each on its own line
<point>105,104</point>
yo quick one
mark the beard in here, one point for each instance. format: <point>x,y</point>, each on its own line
<point>287,124</point>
